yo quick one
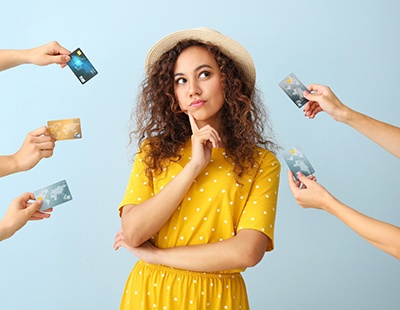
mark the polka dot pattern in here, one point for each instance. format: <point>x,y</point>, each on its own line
<point>214,209</point>
<point>154,287</point>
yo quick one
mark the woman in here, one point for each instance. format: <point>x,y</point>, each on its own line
<point>201,200</point>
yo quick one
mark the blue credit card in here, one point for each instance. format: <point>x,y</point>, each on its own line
<point>297,161</point>
<point>53,195</point>
<point>81,66</point>
<point>292,86</point>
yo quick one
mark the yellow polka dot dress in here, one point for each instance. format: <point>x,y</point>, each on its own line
<point>214,209</point>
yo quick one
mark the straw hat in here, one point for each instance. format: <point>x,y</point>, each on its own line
<point>228,46</point>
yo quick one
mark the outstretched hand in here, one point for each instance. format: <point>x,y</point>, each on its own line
<point>20,212</point>
<point>307,192</point>
<point>50,53</point>
<point>38,144</point>
<point>322,98</point>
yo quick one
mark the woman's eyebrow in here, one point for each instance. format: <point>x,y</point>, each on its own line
<point>197,69</point>
<point>203,66</point>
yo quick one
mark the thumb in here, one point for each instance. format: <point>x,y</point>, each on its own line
<point>43,130</point>
<point>309,96</point>
<point>291,181</point>
<point>33,207</point>
<point>60,59</point>
<point>303,179</point>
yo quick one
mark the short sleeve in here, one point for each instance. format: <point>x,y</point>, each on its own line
<point>260,209</point>
<point>139,188</point>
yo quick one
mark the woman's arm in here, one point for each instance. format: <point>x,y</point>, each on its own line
<point>382,235</point>
<point>385,135</point>
<point>140,222</point>
<point>43,55</point>
<point>246,249</point>
<point>323,98</point>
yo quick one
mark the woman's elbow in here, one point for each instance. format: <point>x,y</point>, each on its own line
<point>133,240</point>
<point>255,259</point>
<point>252,259</point>
<point>132,236</point>
<point>252,247</point>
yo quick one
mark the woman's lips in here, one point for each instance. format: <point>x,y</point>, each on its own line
<point>197,103</point>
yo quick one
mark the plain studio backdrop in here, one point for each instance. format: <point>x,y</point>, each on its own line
<point>68,262</point>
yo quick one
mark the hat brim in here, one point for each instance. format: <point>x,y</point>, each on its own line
<point>228,46</point>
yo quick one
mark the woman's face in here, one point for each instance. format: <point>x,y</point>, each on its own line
<point>198,87</point>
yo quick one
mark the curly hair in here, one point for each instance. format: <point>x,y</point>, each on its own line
<point>162,127</point>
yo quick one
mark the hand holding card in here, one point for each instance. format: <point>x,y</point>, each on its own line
<point>292,86</point>
<point>297,162</point>
<point>65,129</point>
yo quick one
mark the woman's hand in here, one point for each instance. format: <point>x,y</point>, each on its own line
<point>146,251</point>
<point>203,140</point>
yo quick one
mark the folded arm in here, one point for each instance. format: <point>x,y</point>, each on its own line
<point>246,249</point>
<point>140,222</point>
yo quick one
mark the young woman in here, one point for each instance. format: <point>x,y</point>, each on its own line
<point>201,199</point>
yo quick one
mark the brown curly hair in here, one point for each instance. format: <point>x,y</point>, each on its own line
<point>164,128</point>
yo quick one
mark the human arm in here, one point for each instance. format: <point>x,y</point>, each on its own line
<point>19,213</point>
<point>43,55</point>
<point>141,221</point>
<point>38,144</point>
<point>382,235</point>
<point>239,244</point>
<point>322,98</point>
<point>244,250</point>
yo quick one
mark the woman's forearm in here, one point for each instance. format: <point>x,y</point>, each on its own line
<point>8,165</point>
<point>246,249</point>
<point>385,135</point>
<point>382,235</point>
<point>142,221</point>
<point>11,58</point>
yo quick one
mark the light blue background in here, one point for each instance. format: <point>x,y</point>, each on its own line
<point>68,262</point>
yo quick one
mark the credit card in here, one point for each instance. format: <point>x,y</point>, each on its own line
<point>292,86</point>
<point>53,195</point>
<point>65,129</point>
<point>297,161</point>
<point>81,66</point>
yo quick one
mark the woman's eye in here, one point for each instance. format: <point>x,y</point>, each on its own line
<point>204,74</point>
<point>180,81</point>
